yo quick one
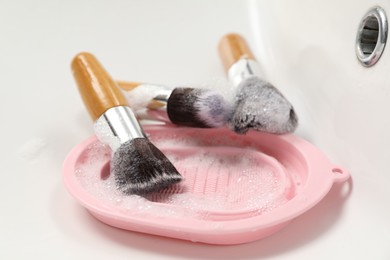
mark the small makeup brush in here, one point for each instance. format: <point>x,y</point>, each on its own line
<point>137,165</point>
<point>194,107</point>
<point>258,104</point>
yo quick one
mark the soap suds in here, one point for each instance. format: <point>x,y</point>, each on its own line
<point>216,181</point>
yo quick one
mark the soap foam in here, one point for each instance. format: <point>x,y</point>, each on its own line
<point>214,182</point>
<point>228,183</point>
<point>192,138</point>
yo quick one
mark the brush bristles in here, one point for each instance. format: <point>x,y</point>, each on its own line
<point>260,106</point>
<point>141,168</point>
<point>197,108</point>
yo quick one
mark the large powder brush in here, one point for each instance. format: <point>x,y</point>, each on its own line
<point>258,104</point>
<point>138,166</point>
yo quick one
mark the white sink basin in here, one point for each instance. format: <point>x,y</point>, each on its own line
<point>305,48</point>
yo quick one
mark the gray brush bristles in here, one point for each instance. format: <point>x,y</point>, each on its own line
<point>141,168</point>
<point>197,108</point>
<point>260,106</point>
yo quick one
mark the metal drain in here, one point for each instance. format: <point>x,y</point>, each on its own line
<point>371,37</point>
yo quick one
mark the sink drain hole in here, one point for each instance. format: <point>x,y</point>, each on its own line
<point>369,37</point>
<point>372,35</point>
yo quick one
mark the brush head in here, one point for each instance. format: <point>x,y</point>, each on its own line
<point>197,108</point>
<point>141,168</point>
<point>262,107</point>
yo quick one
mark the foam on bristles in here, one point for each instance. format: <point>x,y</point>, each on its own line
<point>212,108</point>
<point>262,107</point>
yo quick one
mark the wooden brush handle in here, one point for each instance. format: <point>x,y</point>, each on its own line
<point>127,85</point>
<point>233,47</point>
<point>98,90</point>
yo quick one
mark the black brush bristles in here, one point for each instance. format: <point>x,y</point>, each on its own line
<point>141,168</point>
<point>197,108</point>
<point>261,106</point>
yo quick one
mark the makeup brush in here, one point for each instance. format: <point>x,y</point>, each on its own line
<point>137,165</point>
<point>194,107</point>
<point>258,104</point>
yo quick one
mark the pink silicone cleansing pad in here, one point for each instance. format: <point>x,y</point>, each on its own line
<point>236,188</point>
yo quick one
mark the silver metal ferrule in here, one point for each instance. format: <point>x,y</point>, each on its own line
<point>160,98</point>
<point>116,126</point>
<point>150,101</point>
<point>243,69</point>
